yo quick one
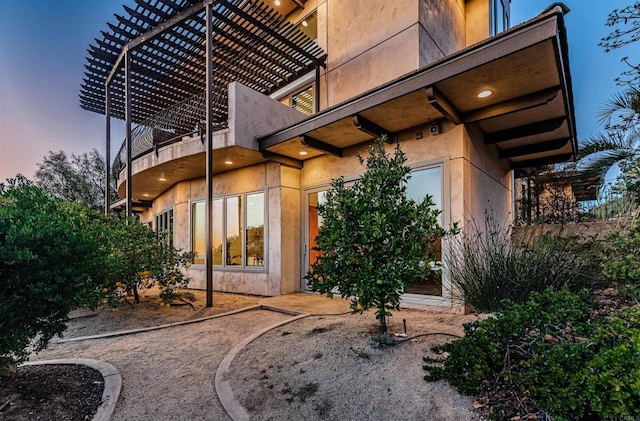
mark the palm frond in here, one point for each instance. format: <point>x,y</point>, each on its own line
<point>606,142</point>
<point>622,110</point>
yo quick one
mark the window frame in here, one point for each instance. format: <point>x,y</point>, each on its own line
<point>156,224</point>
<point>493,18</point>
<point>243,267</point>
<point>418,300</point>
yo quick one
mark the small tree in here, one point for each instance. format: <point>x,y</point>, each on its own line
<point>374,240</point>
<point>138,258</point>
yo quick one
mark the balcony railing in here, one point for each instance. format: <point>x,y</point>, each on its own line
<point>171,124</point>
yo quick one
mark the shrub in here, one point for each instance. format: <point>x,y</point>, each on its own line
<point>554,354</point>
<point>374,240</point>
<point>49,256</point>
<point>623,264</point>
<point>138,258</point>
<point>490,265</point>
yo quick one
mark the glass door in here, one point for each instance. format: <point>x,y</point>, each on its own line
<point>313,222</point>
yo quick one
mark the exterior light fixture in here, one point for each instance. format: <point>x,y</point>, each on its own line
<point>304,23</point>
<point>485,94</point>
<point>228,162</point>
<point>277,3</point>
<point>162,179</point>
<point>303,153</point>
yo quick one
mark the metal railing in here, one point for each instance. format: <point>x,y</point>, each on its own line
<point>171,124</point>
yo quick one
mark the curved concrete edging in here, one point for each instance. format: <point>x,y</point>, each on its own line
<point>112,382</point>
<point>222,388</point>
<point>151,328</point>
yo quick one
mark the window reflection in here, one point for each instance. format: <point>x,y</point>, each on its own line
<point>255,230</point>
<point>217,232</point>
<point>197,232</point>
<point>234,227</point>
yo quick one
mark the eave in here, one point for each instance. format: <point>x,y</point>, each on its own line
<point>529,117</point>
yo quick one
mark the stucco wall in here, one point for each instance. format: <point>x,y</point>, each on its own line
<point>489,186</point>
<point>281,274</point>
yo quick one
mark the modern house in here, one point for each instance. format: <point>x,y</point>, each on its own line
<point>239,113</point>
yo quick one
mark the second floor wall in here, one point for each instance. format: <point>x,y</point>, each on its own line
<point>370,42</point>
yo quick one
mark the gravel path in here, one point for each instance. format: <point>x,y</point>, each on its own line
<point>168,374</point>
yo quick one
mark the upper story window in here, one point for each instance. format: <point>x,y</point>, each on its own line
<point>301,100</point>
<point>300,95</point>
<point>500,16</point>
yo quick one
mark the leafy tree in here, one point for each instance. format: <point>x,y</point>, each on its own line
<point>49,256</point>
<point>374,240</point>
<point>626,22</point>
<point>79,178</point>
<point>138,258</point>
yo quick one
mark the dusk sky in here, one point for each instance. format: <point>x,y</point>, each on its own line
<point>43,46</point>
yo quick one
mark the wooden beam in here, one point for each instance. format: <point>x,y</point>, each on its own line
<point>524,102</point>
<point>443,105</point>
<point>369,127</point>
<point>299,3</point>
<point>534,148</point>
<point>320,145</point>
<point>519,132</point>
<point>281,159</point>
<point>541,161</point>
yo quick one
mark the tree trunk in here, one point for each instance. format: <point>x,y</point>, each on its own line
<point>136,296</point>
<point>382,326</point>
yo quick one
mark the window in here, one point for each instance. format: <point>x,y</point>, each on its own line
<point>198,232</point>
<point>425,182</point>
<point>164,225</point>
<point>234,228</point>
<point>255,230</point>
<point>233,244</point>
<point>500,16</point>
<point>302,101</point>
<point>243,222</point>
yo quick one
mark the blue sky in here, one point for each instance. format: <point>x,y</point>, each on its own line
<point>43,46</point>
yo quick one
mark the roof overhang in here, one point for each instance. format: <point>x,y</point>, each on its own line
<point>529,117</point>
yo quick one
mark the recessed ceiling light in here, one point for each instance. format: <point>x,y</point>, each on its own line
<point>277,3</point>
<point>146,194</point>
<point>485,94</point>
<point>303,153</point>
<point>304,23</point>
<point>162,179</point>
<point>228,162</point>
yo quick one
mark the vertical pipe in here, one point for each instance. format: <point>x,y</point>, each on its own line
<point>208,238</point>
<point>127,113</point>
<point>317,89</point>
<point>107,155</point>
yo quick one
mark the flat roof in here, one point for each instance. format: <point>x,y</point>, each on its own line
<point>529,117</point>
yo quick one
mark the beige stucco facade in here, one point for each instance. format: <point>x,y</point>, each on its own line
<point>369,44</point>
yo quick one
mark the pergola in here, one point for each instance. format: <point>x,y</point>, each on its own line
<point>165,67</point>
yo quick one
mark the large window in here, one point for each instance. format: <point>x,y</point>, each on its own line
<point>164,225</point>
<point>500,16</point>
<point>238,231</point>
<point>425,182</point>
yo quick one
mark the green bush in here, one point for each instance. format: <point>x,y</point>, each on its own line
<point>555,354</point>
<point>49,254</point>
<point>137,259</point>
<point>623,264</point>
<point>489,265</point>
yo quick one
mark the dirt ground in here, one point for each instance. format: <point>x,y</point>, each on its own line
<point>324,368</point>
<point>149,312</point>
<point>317,368</point>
